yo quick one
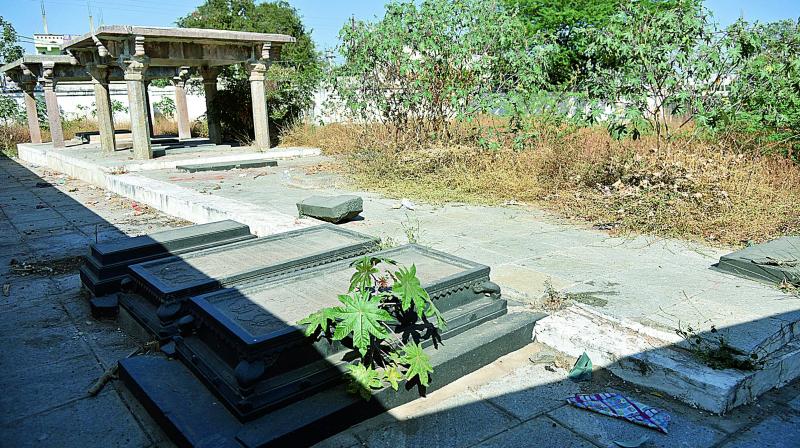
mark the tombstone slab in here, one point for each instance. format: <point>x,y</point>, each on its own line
<point>165,282</point>
<point>772,262</point>
<point>252,327</point>
<point>333,209</point>
<point>107,263</point>
<point>225,166</point>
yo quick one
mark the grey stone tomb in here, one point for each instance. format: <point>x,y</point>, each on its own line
<point>241,346</point>
<point>162,284</point>
<point>773,262</point>
<point>333,209</point>
<point>106,265</point>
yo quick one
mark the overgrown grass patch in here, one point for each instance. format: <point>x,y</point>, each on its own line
<point>691,188</point>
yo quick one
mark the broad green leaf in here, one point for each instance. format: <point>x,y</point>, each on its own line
<point>318,321</point>
<point>363,380</point>
<point>418,363</point>
<point>393,376</point>
<point>409,290</point>
<point>362,318</point>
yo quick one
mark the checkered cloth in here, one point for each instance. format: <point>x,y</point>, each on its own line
<point>620,406</point>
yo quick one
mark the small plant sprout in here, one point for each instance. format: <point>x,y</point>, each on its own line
<point>381,298</point>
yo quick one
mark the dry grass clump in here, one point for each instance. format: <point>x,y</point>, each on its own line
<point>689,189</point>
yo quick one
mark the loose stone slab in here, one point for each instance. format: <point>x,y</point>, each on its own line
<point>225,166</point>
<point>772,262</point>
<point>333,209</point>
<point>251,327</point>
<point>106,264</point>
<point>165,282</point>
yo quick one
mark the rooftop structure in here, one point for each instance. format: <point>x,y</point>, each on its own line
<point>139,54</point>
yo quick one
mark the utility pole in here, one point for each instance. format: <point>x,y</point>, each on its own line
<point>91,22</point>
<point>44,17</point>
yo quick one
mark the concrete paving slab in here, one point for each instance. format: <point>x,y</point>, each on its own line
<point>31,388</point>
<point>604,430</point>
<point>529,391</point>
<point>774,432</point>
<point>540,431</point>
<point>80,423</point>
<point>456,422</point>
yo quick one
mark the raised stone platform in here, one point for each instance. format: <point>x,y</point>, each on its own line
<point>117,173</point>
<point>661,360</point>
<point>165,283</point>
<point>106,265</point>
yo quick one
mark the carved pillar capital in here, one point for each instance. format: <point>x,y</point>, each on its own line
<point>98,72</point>
<point>209,74</point>
<point>47,79</point>
<point>182,75</point>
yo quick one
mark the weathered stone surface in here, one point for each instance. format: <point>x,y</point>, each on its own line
<point>104,306</point>
<point>174,277</point>
<point>225,166</point>
<point>255,324</point>
<point>107,263</point>
<point>648,357</point>
<point>772,262</point>
<point>333,209</point>
<point>165,387</point>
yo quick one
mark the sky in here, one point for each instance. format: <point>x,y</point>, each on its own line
<point>323,17</point>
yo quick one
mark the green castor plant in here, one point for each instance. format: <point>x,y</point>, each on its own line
<point>376,302</point>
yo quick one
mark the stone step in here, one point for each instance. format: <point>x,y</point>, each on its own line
<point>192,416</point>
<point>657,359</point>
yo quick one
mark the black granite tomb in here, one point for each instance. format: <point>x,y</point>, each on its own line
<point>162,284</point>
<point>236,332</point>
<point>240,346</point>
<point>107,263</point>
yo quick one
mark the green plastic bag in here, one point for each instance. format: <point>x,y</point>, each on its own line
<point>582,370</point>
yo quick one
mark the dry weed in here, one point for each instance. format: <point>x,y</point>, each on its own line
<point>690,189</point>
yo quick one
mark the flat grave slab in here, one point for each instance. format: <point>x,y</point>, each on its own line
<point>225,166</point>
<point>251,327</point>
<point>773,262</point>
<point>106,264</point>
<point>164,282</point>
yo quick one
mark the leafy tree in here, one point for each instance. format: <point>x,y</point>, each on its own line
<point>763,98</point>
<point>426,64</point>
<point>293,79</point>
<point>652,64</point>
<point>9,49</point>
<point>560,21</point>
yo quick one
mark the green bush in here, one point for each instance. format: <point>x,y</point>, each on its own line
<point>292,80</point>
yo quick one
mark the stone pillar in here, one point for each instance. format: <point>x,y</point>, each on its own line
<point>258,91</point>
<point>53,114</point>
<point>150,116</point>
<point>31,112</point>
<point>209,75</point>
<point>102,99</point>
<point>258,76</point>
<point>181,107</point>
<point>137,97</point>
